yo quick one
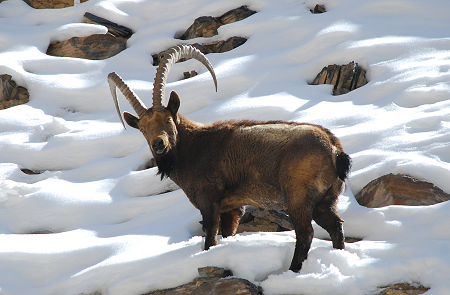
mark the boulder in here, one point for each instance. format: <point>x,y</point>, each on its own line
<point>221,46</point>
<point>206,48</point>
<point>11,94</point>
<point>345,78</point>
<point>206,26</point>
<point>235,15</point>
<point>45,4</point>
<point>213,280</point>
<point>404,289</point>
<point>400,189</point>
<point>259,219</point>
<point>318,9</point>
<point>190,74</point>
<point>98,46</point>
<point>113,28</point>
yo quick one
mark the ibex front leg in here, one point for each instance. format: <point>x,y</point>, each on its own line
<point>211,219</point>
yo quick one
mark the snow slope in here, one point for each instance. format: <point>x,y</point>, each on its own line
<point>116,231</point>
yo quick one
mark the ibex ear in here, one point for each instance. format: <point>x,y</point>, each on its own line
<point>131,119</point>
<point>174,104</point>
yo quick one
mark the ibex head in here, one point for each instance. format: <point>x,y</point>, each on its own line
<point>158,123</point>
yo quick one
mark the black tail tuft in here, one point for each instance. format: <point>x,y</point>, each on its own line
<point>343,165</point>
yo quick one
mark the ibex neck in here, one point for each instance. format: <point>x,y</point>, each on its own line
<point>188,127</point>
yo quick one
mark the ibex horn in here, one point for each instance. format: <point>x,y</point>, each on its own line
<point>138,106</point>
<point>172,56</point>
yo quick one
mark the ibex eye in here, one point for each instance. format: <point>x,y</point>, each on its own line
<point>169,121</point>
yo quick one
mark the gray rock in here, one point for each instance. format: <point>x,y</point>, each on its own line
<point>52,4</point>
<point>11,94</point>
<point>403,289</point>
<point>400,189</point>
<point>206,48</point>
<point>213,280</point>
<point>345,78</point>
<point>206,26</point>
<point>113,28</point>
<point>95,47</point>
<point>318,9</point>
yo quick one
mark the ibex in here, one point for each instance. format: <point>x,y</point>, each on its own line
<point>221,167</point>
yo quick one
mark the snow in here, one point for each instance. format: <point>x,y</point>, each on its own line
<point>115,227</point>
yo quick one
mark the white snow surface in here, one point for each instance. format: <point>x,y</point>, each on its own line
<point>118,231</point>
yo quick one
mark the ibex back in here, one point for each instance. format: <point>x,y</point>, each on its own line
<point>221,167</point>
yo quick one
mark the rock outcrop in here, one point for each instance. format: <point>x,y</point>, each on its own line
<point>45,4</point>
<point>113,28</point>
<point>400,189</point>
<point>404,289</point>
<point>206,48</point>
<point>213,280</point>
<point>318,9</point>
<point>11,94</point>
<point>258,219</point>
<point>95,47</point>
<point>345,78</point>
<point>206,26</point>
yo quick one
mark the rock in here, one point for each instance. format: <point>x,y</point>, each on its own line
<point>44,4</point>
<point>206,26</point>
<point>400,189</point>
<point>404,289</point>
<point>318,9</point>
<point>190,74</point>
<point>206,48</point>
<point>259,219</point>
<point>235,15</point>
<point>213,280</point>
<point>10,94</point>
<point>31,172</point>
<point>98,46</point>
<point>113,28</point>
<point>345,78</point>
<point>221,46</point>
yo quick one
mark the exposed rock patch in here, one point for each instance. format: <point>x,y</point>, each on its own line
<point>318,9</point>
<point>187,75</point>
<point>11,94</point>
<point>44,4</point>
<point>206,26</point>
<point>31,172</point>
<point>258,219</point>
<point>206,48</point>
<point>345,78</point>
<point>264,220</point>
<point>404,289</point>
<point>113,28</point>
<point>400,189</point>
<point>213,280</point>
<point>95,47</point>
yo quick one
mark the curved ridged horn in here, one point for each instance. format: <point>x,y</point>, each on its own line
<point>172,56</point>
<point>138,106</point>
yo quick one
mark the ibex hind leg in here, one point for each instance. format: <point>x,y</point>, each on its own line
<point>300,213</point>
<point>229,221</point>
<point>325,215</point>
